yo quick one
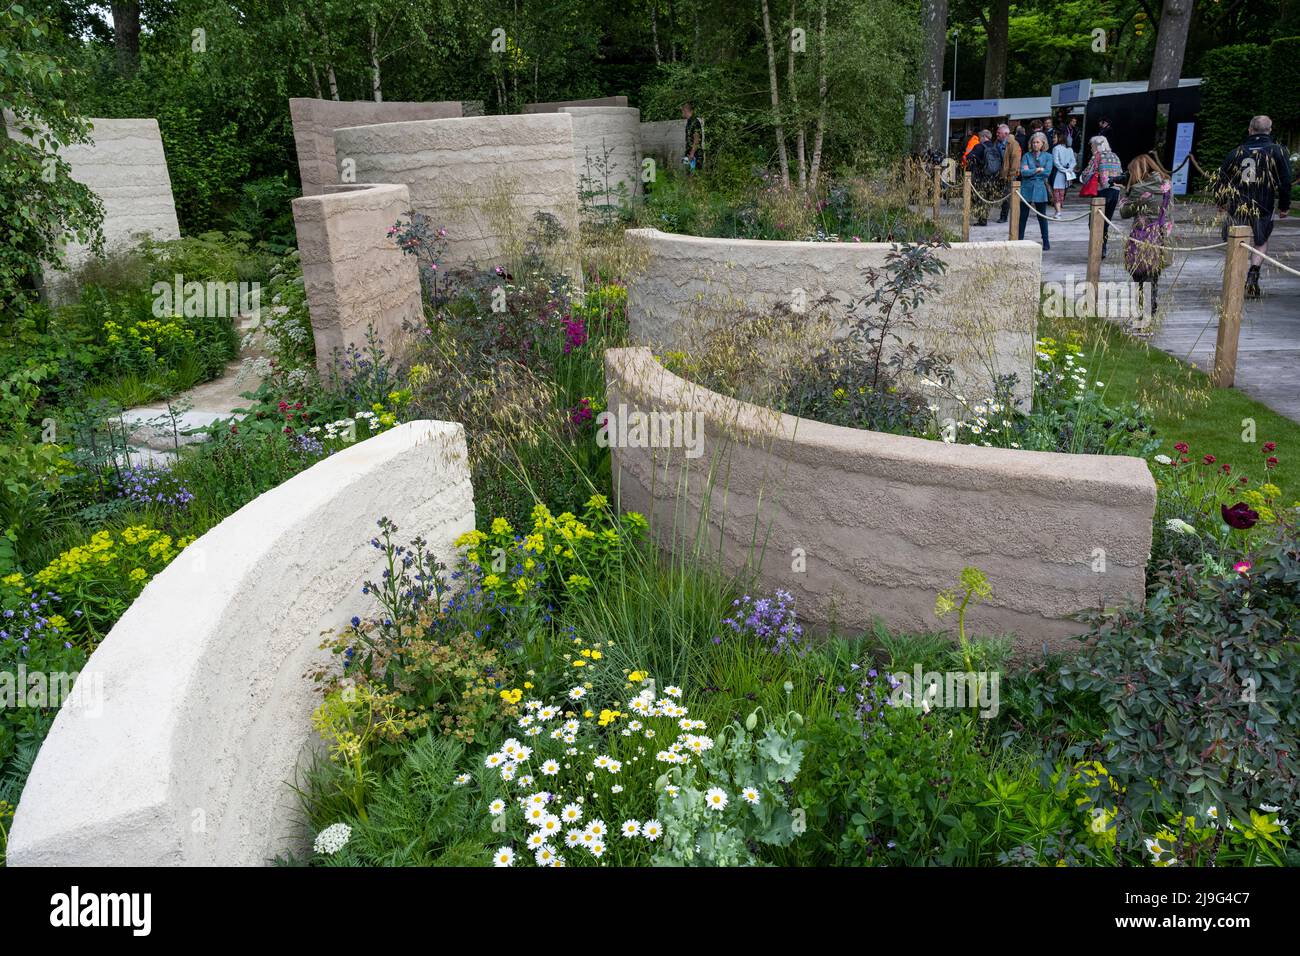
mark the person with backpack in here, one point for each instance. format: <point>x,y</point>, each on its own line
<point>965,153</point>
<point>985,165</point>
<point>1254,180</point>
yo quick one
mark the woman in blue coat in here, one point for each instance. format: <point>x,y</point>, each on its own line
<point>1035,178</point>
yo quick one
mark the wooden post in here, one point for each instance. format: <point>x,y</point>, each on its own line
<point>1013,219</point>
<point>965,207</point>
<point>938,192</point>
<point>1235,261</point>
<point>1096,209</point>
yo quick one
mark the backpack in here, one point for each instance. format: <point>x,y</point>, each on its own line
<point>992,160</point>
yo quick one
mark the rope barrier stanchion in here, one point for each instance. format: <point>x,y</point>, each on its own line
<point>1251,250</point>
<point>1014,214</point>
<point>1096,213</point>
<point>965,206</point>
<point>1234,292</point>
<point>938,193</point>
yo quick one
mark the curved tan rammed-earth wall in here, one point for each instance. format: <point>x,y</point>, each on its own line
<point>482,178</point>
<point>881,522</point>
<point>983,312</point>
<point>314,122</point>
<point>608,137</point>
<point>195,710</point>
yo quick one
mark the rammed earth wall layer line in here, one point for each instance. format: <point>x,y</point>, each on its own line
<point>862,525</point>
<point>188,757</point>
<point>983,313</point>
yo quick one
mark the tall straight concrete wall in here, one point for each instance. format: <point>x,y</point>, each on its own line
<point>665,140</point>
<point>353,272</point>
<point>201,690</point>
<point>983,313</point>
<point>482,178</point>
<point>314,122</point>
<point>862,525</point>
<point>557,105</point>
<point>125,166</point>
<point>606,150</point>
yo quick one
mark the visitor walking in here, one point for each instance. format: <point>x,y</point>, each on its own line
<point>1254,180</point>
<point>1062,169</point>
<point>1146,202</point>
<point>693,159</point>
<point>1035,174</point>
<point>1105,167</point>
<point>1011,154</point>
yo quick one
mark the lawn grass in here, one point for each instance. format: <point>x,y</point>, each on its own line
<point>1184,405</point>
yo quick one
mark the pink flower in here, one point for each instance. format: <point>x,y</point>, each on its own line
<point>1241,567</point>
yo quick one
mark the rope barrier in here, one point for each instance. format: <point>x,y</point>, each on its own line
<point>1154,245</point>
<point>1030,207</point>
<point>1268,258</point>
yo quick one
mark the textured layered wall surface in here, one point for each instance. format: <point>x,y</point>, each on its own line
<point>862,525</point>
<point>556,106</point>
<point>185,753</point>
<point>665,140</point>
<point>983,313</point>
<point>354,274</point>
<point>606,150</point>
<point>124,166</point>
<point>314,123</point>
<point>482,178</point>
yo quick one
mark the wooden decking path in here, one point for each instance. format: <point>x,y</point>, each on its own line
<point>1268,360</point>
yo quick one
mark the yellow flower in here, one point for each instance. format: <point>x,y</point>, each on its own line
<point>512,696</point>
<point>501,526</point>
<point>138,574</point>
<point>637,677</point>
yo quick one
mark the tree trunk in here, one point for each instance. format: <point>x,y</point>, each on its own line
<point>927,126</point>
<point>821,99</point>
<point>782,159</point>
<point>995,60</point>
<point>126,35</point>
<point>375,87</point>
<point>1171,43</point>
<point>654,29</point>
<point>799,141</point>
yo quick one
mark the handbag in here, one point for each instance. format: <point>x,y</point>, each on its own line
<point>1090,187</point>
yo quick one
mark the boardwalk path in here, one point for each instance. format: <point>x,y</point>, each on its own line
<point>1268,360</point>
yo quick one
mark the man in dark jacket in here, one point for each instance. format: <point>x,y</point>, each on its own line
<point>1253,182</point>
<point>985,166</point>
<point>693,158</point>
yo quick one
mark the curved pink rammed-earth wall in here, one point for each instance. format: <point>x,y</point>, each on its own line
<point>881,523</point>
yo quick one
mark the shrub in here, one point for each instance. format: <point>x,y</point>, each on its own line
<point>1229,95</point>
<point>1200,689</point>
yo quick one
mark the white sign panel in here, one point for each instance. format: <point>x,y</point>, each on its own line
<point>1182,148</point>
<point>1072,93</point>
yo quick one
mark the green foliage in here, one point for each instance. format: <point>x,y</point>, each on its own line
<point>40,205</point>
<point>1283,87</point>
<point>1229,98</point>
<point>1200,690</point>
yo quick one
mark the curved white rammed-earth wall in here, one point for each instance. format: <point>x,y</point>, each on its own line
<point>861,525</point>
<point>608,136</point>
<point>983,313</point>
<point>206,696</point>
<point>483,178</point>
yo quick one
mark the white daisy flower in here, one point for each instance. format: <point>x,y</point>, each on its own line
<point>504,857</point>
<point>652,830</point>
<point>550,768</point>
<point>715,798</point>
<point>497,807</point>
<point>631,828</point>
<point>545,855</point>
<point>750,796</point>
<point>462,779</point>
<point>571,813</point>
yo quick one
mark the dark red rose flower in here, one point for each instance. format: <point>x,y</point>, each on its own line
<point>1181,446</point>
<point>1270,463</point>
<point>1209,459</point>
<point>1227,469</point>
<point>1240,516</point>
<point>1270,446</point>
